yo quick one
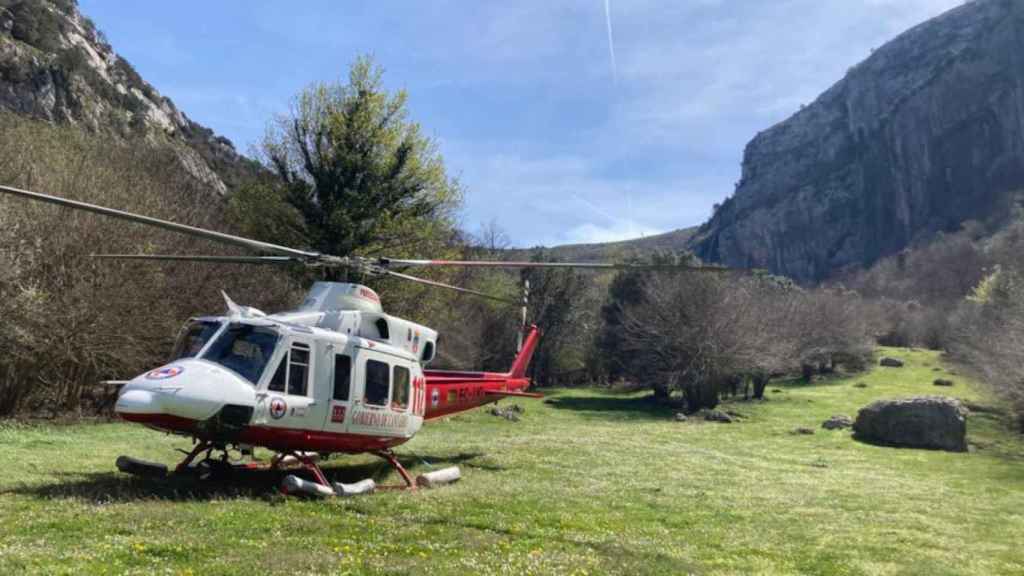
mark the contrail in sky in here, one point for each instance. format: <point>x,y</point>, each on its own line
<point>611,42</point>
<point>593,208</point>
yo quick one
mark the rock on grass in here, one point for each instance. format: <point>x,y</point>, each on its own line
<point>837,422</point>
<point>934,422</point>
<point>716,416</point>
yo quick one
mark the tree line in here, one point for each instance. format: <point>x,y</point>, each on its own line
<point>961,292</point>
<point>347,172</point>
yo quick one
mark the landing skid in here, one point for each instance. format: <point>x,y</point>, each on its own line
<point>207,468</point>
<point>141,468</point>
<point>220,467</point>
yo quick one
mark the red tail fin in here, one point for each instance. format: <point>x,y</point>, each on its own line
<point>522,361</point>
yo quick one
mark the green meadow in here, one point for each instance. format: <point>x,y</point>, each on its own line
<point>588,482</point>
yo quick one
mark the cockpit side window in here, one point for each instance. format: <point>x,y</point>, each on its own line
<point>244,349</point>
<point>278,382</point>
<point>298,369</point>
<point>193,338</point>
<point>292,373</point>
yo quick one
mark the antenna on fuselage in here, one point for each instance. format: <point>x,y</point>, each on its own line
<point>526,306</point>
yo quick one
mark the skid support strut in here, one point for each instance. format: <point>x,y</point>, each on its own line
<point>190,456</point>
<point>307,462</point>
<point>390,457</point>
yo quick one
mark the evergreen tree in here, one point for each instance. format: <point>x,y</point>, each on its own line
<point>357,176</point>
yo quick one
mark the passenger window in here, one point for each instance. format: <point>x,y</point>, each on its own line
<point>342,377</point>
<point>298,370</point>
<point>400,390</point>
<point>377,383</point>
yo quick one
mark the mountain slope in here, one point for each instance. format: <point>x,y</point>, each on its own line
<point>926,133</point>
<point>56,66</point>
<point>673,241</point>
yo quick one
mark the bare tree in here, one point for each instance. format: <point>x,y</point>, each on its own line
<point>705,335</point>
<point>70,320</point>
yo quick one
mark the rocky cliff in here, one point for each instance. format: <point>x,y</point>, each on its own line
<point>926,133</point>
<point>56,66</point>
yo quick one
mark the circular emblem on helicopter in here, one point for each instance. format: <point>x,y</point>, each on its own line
<point>278,408</point>
<point>165,373</point>
<point>435,398</point>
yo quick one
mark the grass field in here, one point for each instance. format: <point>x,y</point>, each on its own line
<point>587,483</point>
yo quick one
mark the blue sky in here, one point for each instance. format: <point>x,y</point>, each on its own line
<point>557,135</point>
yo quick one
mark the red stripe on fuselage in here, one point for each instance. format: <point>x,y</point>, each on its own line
<point>278,439</point>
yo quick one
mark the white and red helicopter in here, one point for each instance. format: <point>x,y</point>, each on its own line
<point>336,375</point>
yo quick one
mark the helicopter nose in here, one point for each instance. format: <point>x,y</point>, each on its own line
<point>193,390</point>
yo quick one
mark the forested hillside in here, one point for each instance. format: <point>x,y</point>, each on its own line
<point>674,241</point>
<point>69,320</point>
<point>57,66</point>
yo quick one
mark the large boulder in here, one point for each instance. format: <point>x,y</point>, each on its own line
<point>934,422</point>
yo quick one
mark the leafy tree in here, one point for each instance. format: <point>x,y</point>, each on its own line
<point>357,175</point>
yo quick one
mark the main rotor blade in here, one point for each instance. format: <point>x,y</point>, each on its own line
<point>210,259</point>
<point>449,287</point>
<point>166,225</point>
<point>514,264</point>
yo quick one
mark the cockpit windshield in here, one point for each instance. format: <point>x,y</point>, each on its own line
<point>245,349</point>
<point>193,338</point>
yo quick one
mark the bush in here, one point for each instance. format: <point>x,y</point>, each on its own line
<point>35,25</point>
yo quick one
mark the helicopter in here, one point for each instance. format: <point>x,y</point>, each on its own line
<point>336,375</point>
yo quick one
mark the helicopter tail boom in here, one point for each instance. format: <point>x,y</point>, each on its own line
<point>449,392</point>
<point>522,361</point>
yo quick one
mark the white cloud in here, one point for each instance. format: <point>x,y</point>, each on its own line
<point>593,233</point>
<point>558,199</point>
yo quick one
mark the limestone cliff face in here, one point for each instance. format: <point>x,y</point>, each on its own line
<point>926,133</point>
<point>56,66</point>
